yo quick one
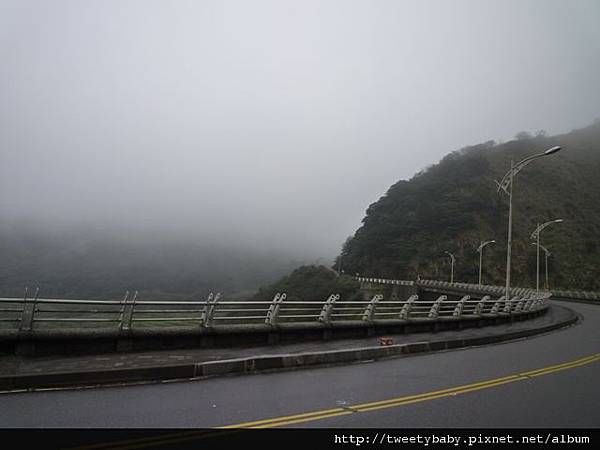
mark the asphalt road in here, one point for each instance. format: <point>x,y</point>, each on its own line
<point>512,395</point>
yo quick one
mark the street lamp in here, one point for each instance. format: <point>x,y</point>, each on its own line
<point>480,250</point>
<point>506,184</point>
<point>452,267</point>
<point>547,252</point>
<point>536,235</point>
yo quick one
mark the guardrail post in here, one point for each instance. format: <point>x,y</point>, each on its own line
<point>508,306</point>
<point>458,309</point>
<point>519,306</point>
<point>273,311</point>
<point>28,313</point>
<point>205,309</point>
<point>209,310</point>
<point>405,311</point>
<point>497,305</point>
<point>532,304</point>
<point>127,314</point>
<point>131,309</point>
<point>479,306</point>
<point>370,309</point>
<point>122,312</point>
<point>24,310</point>
<point>435,308</point>
<point>325,315</point>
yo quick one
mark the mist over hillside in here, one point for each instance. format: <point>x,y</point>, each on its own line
<point>80,262</point>
<point>454,206</point>
<point>450,206</point>
<point>176,147</point>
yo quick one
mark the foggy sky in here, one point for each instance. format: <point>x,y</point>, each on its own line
<point>278,122</point>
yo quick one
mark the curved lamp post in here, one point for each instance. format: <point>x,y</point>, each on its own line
<point>547,253</point>
<point>536,235</point>
<point>452,267</point>
<point>506,185</point>
<point>480,250</point>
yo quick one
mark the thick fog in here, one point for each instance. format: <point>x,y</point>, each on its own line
<point>268,123</point>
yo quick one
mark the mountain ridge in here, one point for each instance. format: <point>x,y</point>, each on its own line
<point>454,205</point>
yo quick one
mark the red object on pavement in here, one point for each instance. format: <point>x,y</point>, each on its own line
<point>386,341</point>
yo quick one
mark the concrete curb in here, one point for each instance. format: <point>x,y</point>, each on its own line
<point>257,364</point>
<point>279,362</point>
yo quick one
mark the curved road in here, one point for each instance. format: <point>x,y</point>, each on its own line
<point>491,386</point>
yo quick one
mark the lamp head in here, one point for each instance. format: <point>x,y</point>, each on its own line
<point>552,150</point>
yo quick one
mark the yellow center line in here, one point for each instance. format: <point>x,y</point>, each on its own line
<point>312,416</point>
<point>572,366</point>
<point>585,360</point>
<point>307,419</point>
<point>330,412</point>
<point>284,418</point>
<point>406,400</point>
<point>392,403</point>
<point>463,390</point>
<point>429,394</point>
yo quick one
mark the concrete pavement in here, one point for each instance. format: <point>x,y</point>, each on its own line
<point>52,371</point>
<point>558,399</point>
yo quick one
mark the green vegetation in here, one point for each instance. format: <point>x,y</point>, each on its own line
<point>454,206</point>
<point>85,264</point>
<point>312,283</point>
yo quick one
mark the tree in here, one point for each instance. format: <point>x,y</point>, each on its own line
<point>521,135</point>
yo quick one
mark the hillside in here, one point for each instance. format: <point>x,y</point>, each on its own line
<point>83,263</point>
<point>311,283</point>
<point>454,205</point>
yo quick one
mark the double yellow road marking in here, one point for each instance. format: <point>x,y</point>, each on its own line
<point>400,401</point>
<point>336,412</point>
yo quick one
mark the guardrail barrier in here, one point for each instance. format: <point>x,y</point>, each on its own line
<point>28,314</point>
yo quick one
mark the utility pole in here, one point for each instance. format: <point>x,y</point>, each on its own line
<point>536,235</point>
<point>506,185</point>
<point>452,267</point>
<point>480,250</point>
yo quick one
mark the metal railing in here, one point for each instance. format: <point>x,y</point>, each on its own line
<point>35,313</point>
<point>385,281</point>
<point>486,289</point>
<point>479,288</point>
